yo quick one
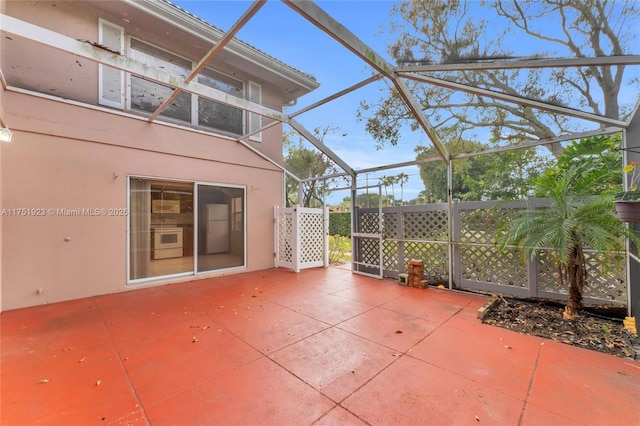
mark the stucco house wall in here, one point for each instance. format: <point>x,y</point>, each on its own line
<point>68,157</point>
<point>69,152</point>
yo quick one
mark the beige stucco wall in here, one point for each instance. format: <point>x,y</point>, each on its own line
<point>32,66</point>
<point>69,157</point>
<point>36,67</point>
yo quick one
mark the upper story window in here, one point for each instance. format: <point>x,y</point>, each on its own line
<point>147,96</point>
<point>217,115</point>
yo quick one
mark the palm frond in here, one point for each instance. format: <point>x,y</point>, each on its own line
<point>570,220</point>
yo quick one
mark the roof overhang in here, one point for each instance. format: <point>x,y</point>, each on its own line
<point>196,37</point>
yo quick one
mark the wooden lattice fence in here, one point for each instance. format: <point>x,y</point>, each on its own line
<point>472,257</point>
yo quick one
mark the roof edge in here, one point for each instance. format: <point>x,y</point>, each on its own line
<point>192,24</point>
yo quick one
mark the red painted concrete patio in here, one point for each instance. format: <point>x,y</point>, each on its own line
<point>322,347</point>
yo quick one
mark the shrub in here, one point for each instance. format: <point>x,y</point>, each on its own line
<point>338,247</point>
<point>340,224</point>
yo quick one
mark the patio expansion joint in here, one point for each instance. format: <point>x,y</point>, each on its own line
<point>122,364</point>
<point>262,351</point>
<point>259,354</point>
<point>272,358</point>
<point>397,355</point>
<point>400,353</point>
<point>533,375</point>
<point>344,408</point>
<point>330,325</point>
<point>408,354</point>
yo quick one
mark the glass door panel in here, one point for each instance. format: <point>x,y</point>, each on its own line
<point>160,228</point>
<point>220,230</point>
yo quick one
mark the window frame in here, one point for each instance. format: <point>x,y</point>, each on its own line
<point>241,84</point>
<point>102,100</point>
<point>194,116</point>
<point>250,115</point>
<point>251,90</point>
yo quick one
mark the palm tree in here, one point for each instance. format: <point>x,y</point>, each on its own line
<point>572,221</point>
<point>402,178</point>
<point>387,181</point>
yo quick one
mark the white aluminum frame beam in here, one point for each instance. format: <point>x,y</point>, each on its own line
<point>309,136</point>
<point>267,158</point>
<point>331,176</point>
<point>526,63</point>
<point>3,81</point>
<point>217,48</point>
<point>517,100</point>
<point>261,129</point>
<point>538,142</point>
<point>87,50</point>
<point>346,38</point>
<point>321,146</point>
<point>528,144</point>
<point>337,95</point>
<point>167,12</point>
<point>398,165</point>
<point>636,112</point>
<point>416,109</point>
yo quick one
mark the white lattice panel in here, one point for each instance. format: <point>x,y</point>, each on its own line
<point>489,265</point>
<point>426,225</point>
<point>369,223</point>
<point>312,237</point>
<point>301,237</point>
<point>434,256</point>
<point>284,237</point>
<point>603,283</point>
<point>390,225</point>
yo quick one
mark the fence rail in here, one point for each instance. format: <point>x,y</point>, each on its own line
<point>472,256</point>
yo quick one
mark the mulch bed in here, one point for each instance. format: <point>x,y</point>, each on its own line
<point>588,330</point>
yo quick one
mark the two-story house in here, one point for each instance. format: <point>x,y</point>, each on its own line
<point>114,179</point>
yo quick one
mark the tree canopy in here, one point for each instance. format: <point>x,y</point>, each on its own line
<point>434,31</point>
<point>599,156</point>
<point>306,163</point>
<point>498,176</point>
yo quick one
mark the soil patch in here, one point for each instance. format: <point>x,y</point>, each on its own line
<point>588,330</point>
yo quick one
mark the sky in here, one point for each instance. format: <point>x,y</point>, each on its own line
<point>282,33</point>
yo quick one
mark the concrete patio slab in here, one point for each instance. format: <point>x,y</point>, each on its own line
<point>321,347</point>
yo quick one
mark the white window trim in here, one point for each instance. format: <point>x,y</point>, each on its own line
<point>101,99</point>
<point>128,80</point>
<point>251,96</point>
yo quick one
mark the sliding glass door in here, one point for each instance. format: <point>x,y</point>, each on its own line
<point>178,228</point>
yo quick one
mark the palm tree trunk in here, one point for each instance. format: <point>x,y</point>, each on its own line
<point>576,276</point>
